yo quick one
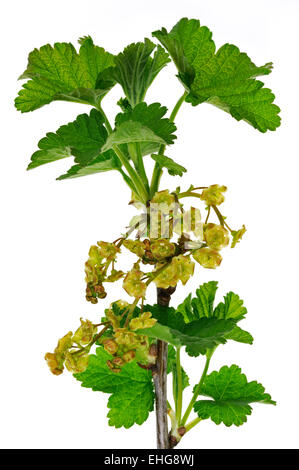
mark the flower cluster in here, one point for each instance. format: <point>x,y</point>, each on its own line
<point>123,341</point>
<point>101,256</point>
<point>70,350</point>
<point>171,260</point>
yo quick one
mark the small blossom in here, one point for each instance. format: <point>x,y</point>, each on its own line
<point>213,195</point>
<point>76,363</point>
<point>133,284</point>
<point>216,236</point>
<point>207,257</point>
<point>162,249</point>
<point>85,332</point>
<point>135,246</point>
<point>56,360</point>
<point>145,320</point>
<point>163,198</point>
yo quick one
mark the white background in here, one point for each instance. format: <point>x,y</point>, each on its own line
<point>48,226</point>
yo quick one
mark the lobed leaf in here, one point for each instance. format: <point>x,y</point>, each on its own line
<point>232,307</point>
<point>198,336</point>
<point>231,397</point>
<point>144,124</point>
<point>225,78</point>
<point>82,139</point>
<point>239,335</point>
<point>61,73</point>
<point>172,167</point>
<point>132,389</point>
<point>202,306</point>
<point>135,69</point>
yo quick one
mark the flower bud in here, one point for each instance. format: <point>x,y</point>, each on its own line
<point>111,367</point>
<point>162,249</point>
<point>53,365</point>
<point>129,356</point>
<point>110,346</point>
<point>100,291</point>
<point>207,257</point>
<point>118,362</point>
<point>216,236</point>
<point>55,361</point>
<point>213,195</point>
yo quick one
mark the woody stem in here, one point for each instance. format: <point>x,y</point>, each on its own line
<point>160,378</point>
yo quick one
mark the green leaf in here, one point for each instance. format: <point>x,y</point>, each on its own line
<point>198,336</point>
<point>104,162</point>
<point>83,139</point>
<point>60,73</point>
<point>185,308</point>
<point>189,44</point>
<point>172,167</point>
<point>231,308</point>
<point>144,124</point>
<point>203,302</point>
<point>135,69</point>
<point>204,334</point>
<point>132,389</point>
<point>171,366</point>
<point>200,306</point>
<point>231,395</point>
<point>225,78</point>
<point>239,335</point>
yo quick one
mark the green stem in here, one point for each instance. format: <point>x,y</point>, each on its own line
<point>140,189</point>
<point>221,218</point>
<point>136,156</point>
<point>219,215</point>
<point>157,173</point>
<point>197,389</point>
<point>106,120</point>
<point>127,180</point>
<point>188,194</point>
<point>179,401</point>
<point>192,424</point>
